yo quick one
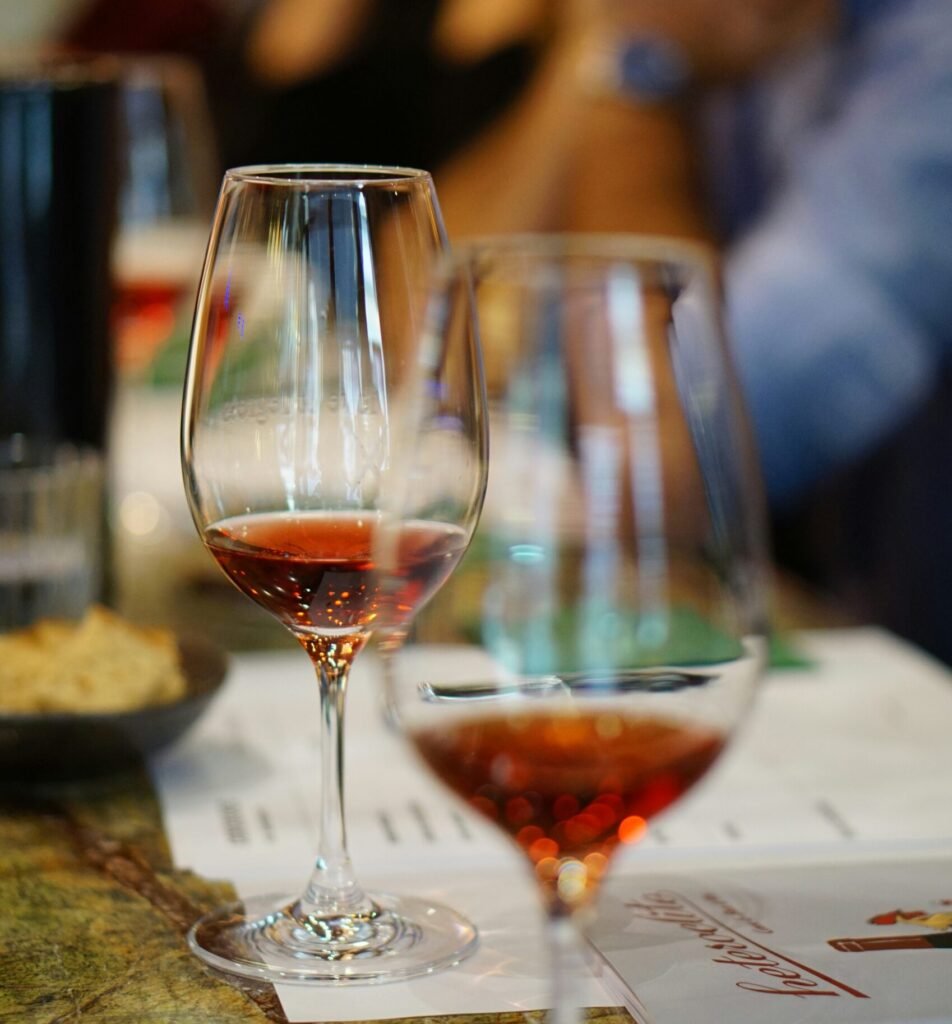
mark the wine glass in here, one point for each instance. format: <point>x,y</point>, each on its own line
<point>304,359</point>
<point>587,664</point>
<point>168,180</point>
<point>168,177</point>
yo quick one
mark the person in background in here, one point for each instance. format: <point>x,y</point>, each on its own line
<point>811,140</point>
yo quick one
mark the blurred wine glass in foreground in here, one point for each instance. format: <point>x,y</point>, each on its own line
<point>303,362</point>
<point>588,663</point>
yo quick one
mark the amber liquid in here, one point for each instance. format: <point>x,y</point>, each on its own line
<point>569,787</point>
<point>144,315</point>
<point>315,570</point>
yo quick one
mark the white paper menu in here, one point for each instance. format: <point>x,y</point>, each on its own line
<point>864,943</point>
<point>845,760</point>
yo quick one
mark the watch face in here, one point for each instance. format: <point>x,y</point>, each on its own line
<point>650,67</point>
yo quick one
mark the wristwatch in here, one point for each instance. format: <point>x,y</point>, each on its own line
<point>643,68</point>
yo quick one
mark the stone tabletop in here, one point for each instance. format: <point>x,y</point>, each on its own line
<point>95,916</point>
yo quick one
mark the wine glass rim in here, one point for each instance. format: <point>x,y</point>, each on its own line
<point>600,245</point>
<point>330,174</point>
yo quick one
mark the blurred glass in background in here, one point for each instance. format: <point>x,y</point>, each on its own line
<point>110,172</point>
<point>169,182</point>
<point>169,176</point>
<point>51,537</point>
<point>58,139</point>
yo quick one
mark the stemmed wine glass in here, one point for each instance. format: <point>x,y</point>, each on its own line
<point>304,359</point>
<point>587,665</point>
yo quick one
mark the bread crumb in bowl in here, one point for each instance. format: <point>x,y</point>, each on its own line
<point>100,664</point>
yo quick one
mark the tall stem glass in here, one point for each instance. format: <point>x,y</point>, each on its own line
<point>304,357</point>
<point>589,662</point>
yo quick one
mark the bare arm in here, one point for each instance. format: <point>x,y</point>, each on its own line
<point>511,177</point>
<point>565,159</point>
<point>634,169</point>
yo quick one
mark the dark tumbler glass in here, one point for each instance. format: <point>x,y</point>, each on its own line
<point>58,183</point>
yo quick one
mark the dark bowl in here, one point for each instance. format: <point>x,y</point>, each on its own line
<point>57,746</point>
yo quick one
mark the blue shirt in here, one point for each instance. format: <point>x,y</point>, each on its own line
<point>840,287</point>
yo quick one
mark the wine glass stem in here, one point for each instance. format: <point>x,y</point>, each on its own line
<point>332,890</point>
<point>566,967</point>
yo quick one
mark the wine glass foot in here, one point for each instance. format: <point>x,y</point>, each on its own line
<point>261,939</point>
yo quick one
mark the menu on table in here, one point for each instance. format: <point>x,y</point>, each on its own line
<point>842,764</point>
<point>867,942</point>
